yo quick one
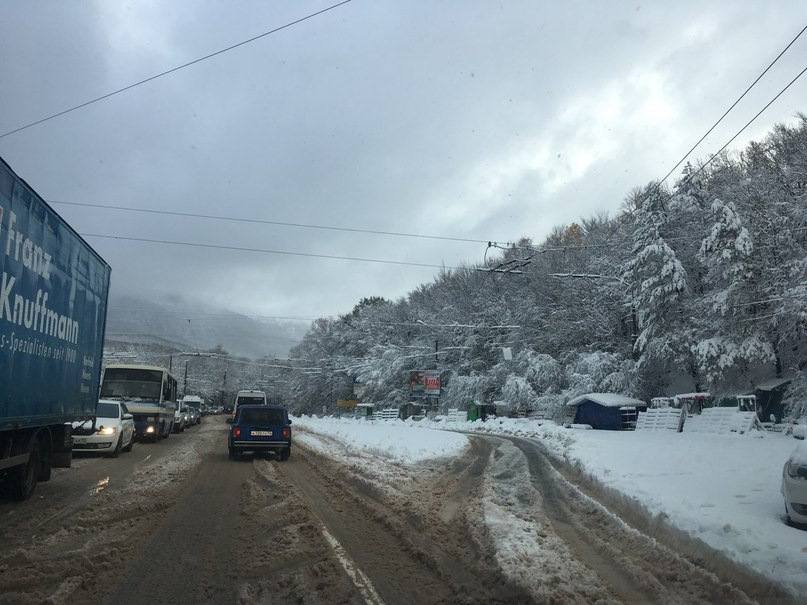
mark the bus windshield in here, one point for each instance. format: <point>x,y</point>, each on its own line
<point>132,383</point>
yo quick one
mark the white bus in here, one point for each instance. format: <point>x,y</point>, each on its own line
<point>150,393</point>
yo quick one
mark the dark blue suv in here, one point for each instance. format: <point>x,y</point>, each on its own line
<point>260,428</point>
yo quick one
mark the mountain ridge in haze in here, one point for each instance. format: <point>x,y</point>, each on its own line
<point>196,326</point>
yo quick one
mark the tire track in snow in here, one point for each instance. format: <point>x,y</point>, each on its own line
<point>360,581</point>
<point>635,565</point>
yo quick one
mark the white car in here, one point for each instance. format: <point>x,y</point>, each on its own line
<point>114,430</point>
<point>794,485</point>
<point>181,417</point>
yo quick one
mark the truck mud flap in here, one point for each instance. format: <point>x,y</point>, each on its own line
<point>62,454</point>
<point>61,459</point>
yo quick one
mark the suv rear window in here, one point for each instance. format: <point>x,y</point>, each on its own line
<point>260,417</point>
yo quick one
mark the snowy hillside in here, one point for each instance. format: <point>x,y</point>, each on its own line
<point>193,325</point>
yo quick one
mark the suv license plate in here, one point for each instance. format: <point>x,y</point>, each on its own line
<point>261,433</point>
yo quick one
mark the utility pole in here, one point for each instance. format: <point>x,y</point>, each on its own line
<point>185,386</point>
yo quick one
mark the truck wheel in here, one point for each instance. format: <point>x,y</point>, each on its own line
<point>23,479</point>
<point>285,453</point>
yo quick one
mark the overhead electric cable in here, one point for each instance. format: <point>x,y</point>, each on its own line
<point>199,315</point>
<point>733,105</point>
<point>266,222</point>
<point>739,132</point>
<point>657,187</point>
<point>283,252</point>
<point>454,325</point>
<point>174,69</point>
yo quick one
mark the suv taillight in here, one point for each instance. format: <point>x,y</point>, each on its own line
<point>286,432</point>
<point>236,431</point>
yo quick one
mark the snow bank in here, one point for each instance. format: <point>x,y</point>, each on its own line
<point>404,442</point>
<point>721,489</point>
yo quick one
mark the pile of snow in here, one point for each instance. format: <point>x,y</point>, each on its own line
<point>721,489</point>
<point>390,439</point>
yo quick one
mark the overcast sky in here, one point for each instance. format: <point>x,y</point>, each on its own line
<point>461,119</point>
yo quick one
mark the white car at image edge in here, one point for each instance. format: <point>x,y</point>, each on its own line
<point>794,485</point>
<point>114,430</point>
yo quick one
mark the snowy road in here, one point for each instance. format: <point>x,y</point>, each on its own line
<point>598,546</point>
<point>175,520</point>
<point>179,520</point>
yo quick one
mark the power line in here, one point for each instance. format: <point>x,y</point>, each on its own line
<point>199,315</point>
<point>739,132</point>
<point>283,252</point>
<point>393,233</point>
<point>174,69</point>
<point>657,187</point>
<point>266,222</point>
<point>733,105</point>
<point>453,325</point>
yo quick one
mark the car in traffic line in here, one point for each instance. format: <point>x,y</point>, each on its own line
<point>113,431</point>
<point>248,396</point>
<point>260,428</point>
<point>196,404</point>
<point>180,417</point>
<point>794,485</point>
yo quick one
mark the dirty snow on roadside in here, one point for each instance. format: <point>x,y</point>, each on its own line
<point>526,547</point>
<point>723,490</point>
<point>158,473</point>
<point>385,454</point>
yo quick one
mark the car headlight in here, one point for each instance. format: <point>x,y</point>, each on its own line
<point>106,430</point>
<point>796,470</point>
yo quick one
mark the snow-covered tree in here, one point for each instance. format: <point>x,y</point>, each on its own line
<point>657,281</point>
<point>708,283</point>
<point>729,354</point>
<point>795,399</point>
<point>518,394</point>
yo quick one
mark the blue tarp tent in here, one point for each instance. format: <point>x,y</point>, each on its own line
<point>607,411</point>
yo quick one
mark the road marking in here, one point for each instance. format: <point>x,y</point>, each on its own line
<point>361,581</point>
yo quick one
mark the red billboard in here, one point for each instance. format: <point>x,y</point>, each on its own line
<point>424,383</point>
<point>431,381</point>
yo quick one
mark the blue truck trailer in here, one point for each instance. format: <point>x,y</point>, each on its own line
<point>53,304</point>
